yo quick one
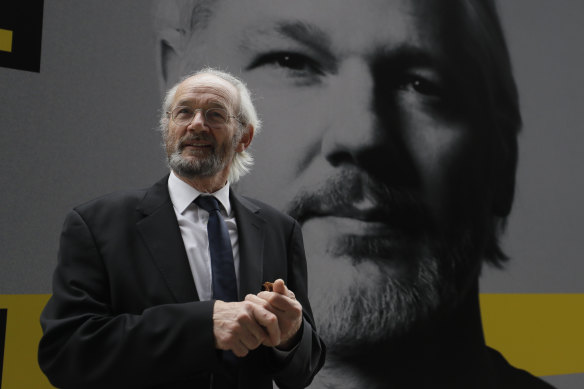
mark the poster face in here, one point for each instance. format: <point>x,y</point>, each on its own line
<point>399,134</point>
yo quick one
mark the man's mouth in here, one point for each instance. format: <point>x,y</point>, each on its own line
<point>195,145</point>
<point>358,226</point>
<point>358,240</point>
<point>357,208</point>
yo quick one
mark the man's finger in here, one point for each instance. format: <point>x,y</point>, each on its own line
<point>262,302</point>
<point>278,301</point>
<point>252,336</point>
<point>280,287</point>
<point>265,318</point>
<point>259,325</point>
<point>239,349</point>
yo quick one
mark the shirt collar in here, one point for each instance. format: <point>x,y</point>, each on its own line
<point>182,194</point>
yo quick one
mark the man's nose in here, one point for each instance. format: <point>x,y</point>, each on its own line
<point>354,134</point>
<point>198,122</point>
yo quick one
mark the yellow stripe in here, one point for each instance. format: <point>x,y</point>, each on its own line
<point>5,40</point>
<point>23,332</point>
<point>540,333</point>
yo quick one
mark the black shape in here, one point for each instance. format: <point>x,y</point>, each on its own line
<point>25,19</point>
<point>3,313</point>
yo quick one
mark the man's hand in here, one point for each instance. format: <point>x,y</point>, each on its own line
<point>243,326</point>
<point>282,303</point>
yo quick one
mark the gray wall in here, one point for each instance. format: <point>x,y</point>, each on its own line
<point>82,127</point>
<point>545,232</point>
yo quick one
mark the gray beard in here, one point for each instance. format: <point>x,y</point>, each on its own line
<point>359,304</point>
<point>196,168</point>
<point>200,167</point>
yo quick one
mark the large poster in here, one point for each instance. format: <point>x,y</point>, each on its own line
<point>380,119</point>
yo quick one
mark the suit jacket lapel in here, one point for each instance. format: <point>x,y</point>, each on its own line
<point>161,234</point>
<point>250,232</point>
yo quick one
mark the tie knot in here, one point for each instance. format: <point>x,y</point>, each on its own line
<point>208,203</point>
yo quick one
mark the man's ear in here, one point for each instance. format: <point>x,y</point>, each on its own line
<point>245,140</point>
<point>168,54</point>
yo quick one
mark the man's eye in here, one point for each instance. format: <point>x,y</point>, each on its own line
<point>216,114</point>
<point>183,112</point>
<point>421,85</point>
<point>296,64</point>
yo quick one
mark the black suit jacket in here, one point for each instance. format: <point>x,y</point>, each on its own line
<point>125,311</point>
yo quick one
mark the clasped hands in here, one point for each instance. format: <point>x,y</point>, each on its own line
<point>269,318</point>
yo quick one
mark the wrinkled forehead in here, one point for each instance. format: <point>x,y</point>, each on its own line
<point>206,90</point>
<point>343,26</point>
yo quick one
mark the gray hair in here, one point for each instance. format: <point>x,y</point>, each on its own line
<point>246,116</point>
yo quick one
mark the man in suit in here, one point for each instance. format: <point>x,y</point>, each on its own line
<point>134,293</point>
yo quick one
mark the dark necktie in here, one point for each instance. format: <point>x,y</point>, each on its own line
<point>223,278</point>
<point>222,267</point>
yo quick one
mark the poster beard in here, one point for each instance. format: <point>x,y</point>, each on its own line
<point>365,291</point>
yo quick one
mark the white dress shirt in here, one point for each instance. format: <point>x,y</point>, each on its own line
<point>193,228</point>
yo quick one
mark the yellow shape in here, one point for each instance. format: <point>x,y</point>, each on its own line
<point>5,40</point>
<point>23,332</point>
<point>540,333</point>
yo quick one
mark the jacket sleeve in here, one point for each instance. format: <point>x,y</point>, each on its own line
<point>306,359</point>
<point>86,344</point>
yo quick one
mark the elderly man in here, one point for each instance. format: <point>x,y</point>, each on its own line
<point>148,287</point>
<point>392,141</point>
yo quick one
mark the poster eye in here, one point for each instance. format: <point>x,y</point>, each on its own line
<point>296,63</point>
<point>421,85</point>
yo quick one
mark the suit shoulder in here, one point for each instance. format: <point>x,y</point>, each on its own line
<point>114,200</point>
<point>129,199</point>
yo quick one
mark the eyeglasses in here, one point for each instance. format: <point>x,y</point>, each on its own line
<point>214,117</point>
